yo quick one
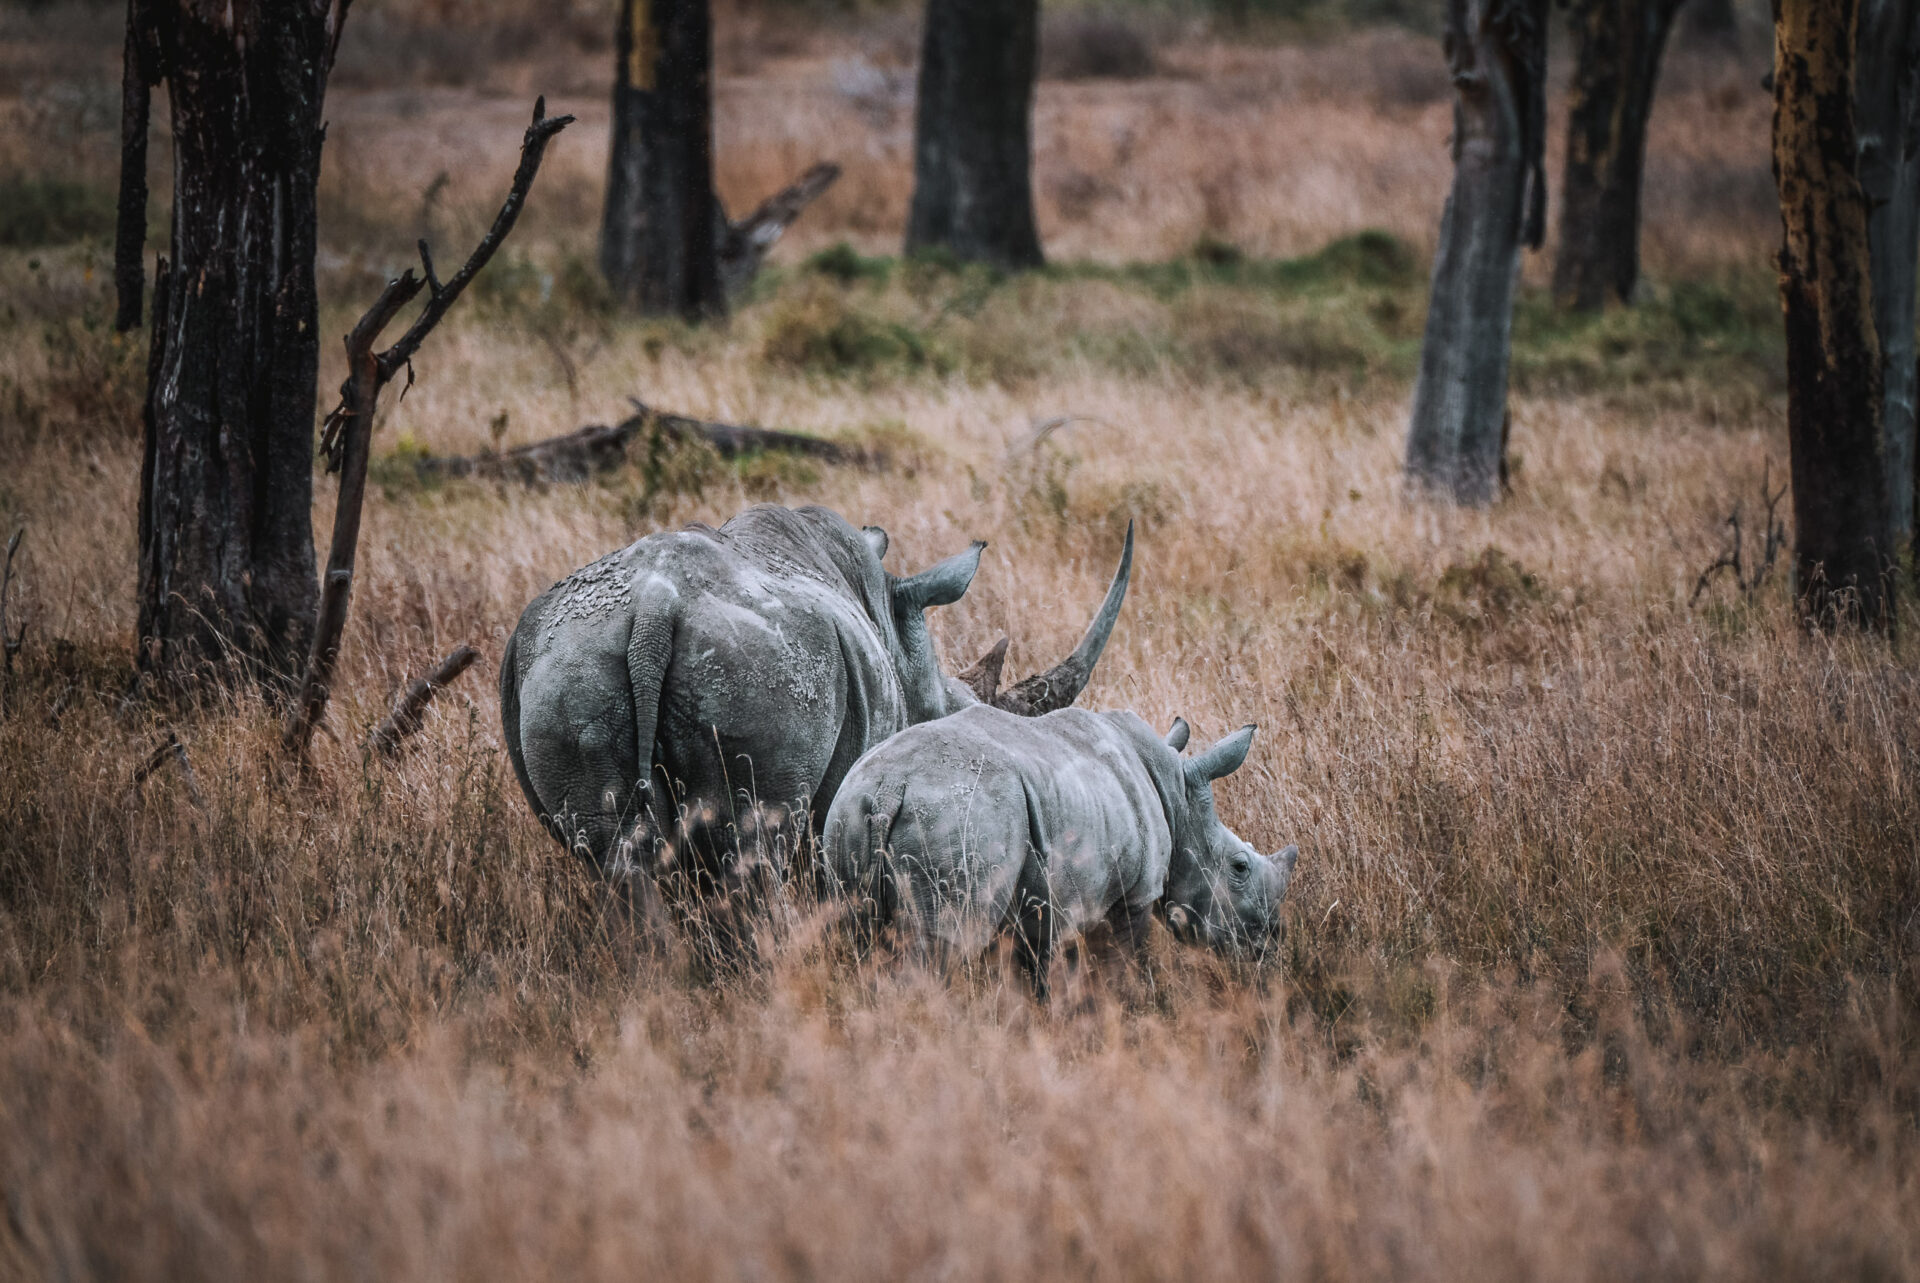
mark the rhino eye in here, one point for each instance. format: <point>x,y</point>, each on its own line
<point>1240,864</point>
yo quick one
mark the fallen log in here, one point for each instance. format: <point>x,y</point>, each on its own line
<point>578,455</point>
<point>410,705</point>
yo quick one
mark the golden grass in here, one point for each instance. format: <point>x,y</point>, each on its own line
<point>1600,958</point>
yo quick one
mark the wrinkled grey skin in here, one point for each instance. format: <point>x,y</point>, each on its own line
<point>673,695</point>
<point>985,822</point>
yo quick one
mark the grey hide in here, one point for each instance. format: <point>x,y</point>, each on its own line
<point>986,822</point>
<point>700,682</point>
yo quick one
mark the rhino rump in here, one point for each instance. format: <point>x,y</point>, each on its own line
<point>678,682</point>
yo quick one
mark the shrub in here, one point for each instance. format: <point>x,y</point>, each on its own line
<point>36,212</point>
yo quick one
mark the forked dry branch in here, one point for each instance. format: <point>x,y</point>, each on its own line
<point>170,749</point>
<point>347,438</point>
<point>10,640</point>
<point>1733,558</point>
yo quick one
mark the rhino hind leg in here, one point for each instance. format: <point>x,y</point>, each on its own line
<point>1033,930</point>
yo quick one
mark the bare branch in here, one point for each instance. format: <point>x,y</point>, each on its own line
<point>10,641</point>
<point>411,704</point>
<point>1733,557</point>
<point>170,749</point>
<point>532,147</point>
<point>426,266</point>
<point>442,297</point>
<point>743,245</point>
<point>348,437</point>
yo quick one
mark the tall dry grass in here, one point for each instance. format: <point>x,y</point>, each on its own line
<point>1600,960</point>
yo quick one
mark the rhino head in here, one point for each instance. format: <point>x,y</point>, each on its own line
<point>930,694</point>
<point>1220,891</point>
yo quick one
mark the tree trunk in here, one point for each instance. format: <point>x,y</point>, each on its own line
<point>1842,529</point>
<point>226,538</point>
<point>1714,20</point>
<point>1497,52</point>
<point>1607,108</point>
<point>1888,128</point>
<point>659,239</point>
<point>138,72</point>
<point>972,136</point>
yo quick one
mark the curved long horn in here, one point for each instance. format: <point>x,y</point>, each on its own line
<point>1060,685</point>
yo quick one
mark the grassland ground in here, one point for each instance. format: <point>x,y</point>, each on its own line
<point>1601,958</point>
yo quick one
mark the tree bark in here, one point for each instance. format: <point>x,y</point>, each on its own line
<point>1715,20</point>
<point>226,571</point>
<point>138,73</point>
<point>1842,528</point>
<point>1497,52</point>
<point>1621,42</point>
<point>973,124</point>
<point>659,238</point>
<point>1887,125</point>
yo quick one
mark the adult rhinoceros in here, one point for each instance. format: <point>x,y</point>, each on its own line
<point>985,822</point>
<point>673,690</point>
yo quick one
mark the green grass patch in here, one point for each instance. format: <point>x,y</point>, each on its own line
<point>37,212</point>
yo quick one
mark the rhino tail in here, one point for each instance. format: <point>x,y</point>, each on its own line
<point>649,647</point>
<point>510,719</point>
<point>869,876</point>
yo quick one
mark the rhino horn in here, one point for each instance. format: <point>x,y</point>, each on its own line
<point>1060,685</point>
<point>984,677</point>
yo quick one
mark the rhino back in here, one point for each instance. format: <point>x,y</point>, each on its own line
<point>773,678</point>
<point>986,796</point>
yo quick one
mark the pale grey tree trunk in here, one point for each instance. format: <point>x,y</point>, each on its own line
<point>1496,50</point>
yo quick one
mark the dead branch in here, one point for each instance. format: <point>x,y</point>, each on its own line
<point>1732,558</point>
<point>349,428</point>
<point>10,641</point>
<point>410,705</point>
<point>599,448</point>
<point>743,245</point>
<point>170,749</point>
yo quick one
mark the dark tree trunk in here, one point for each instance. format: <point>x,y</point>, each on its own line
<point>138,73</point>
<point>1888,128</point>
<point>1607,109</point>
<point>226,538</point>
<point>1497,52</point>
<point>659,240</point>
<point>1714,20</point>
<point>972,135</point>
<point>1842,529</point>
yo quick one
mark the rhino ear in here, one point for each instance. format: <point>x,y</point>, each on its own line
<point>1222,759</point>
<point>940,585</point>
<point>1287,859</point>
<point>1177,734</point>
<point>876,540</point>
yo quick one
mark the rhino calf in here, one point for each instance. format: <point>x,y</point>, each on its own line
<point>985,822</point>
